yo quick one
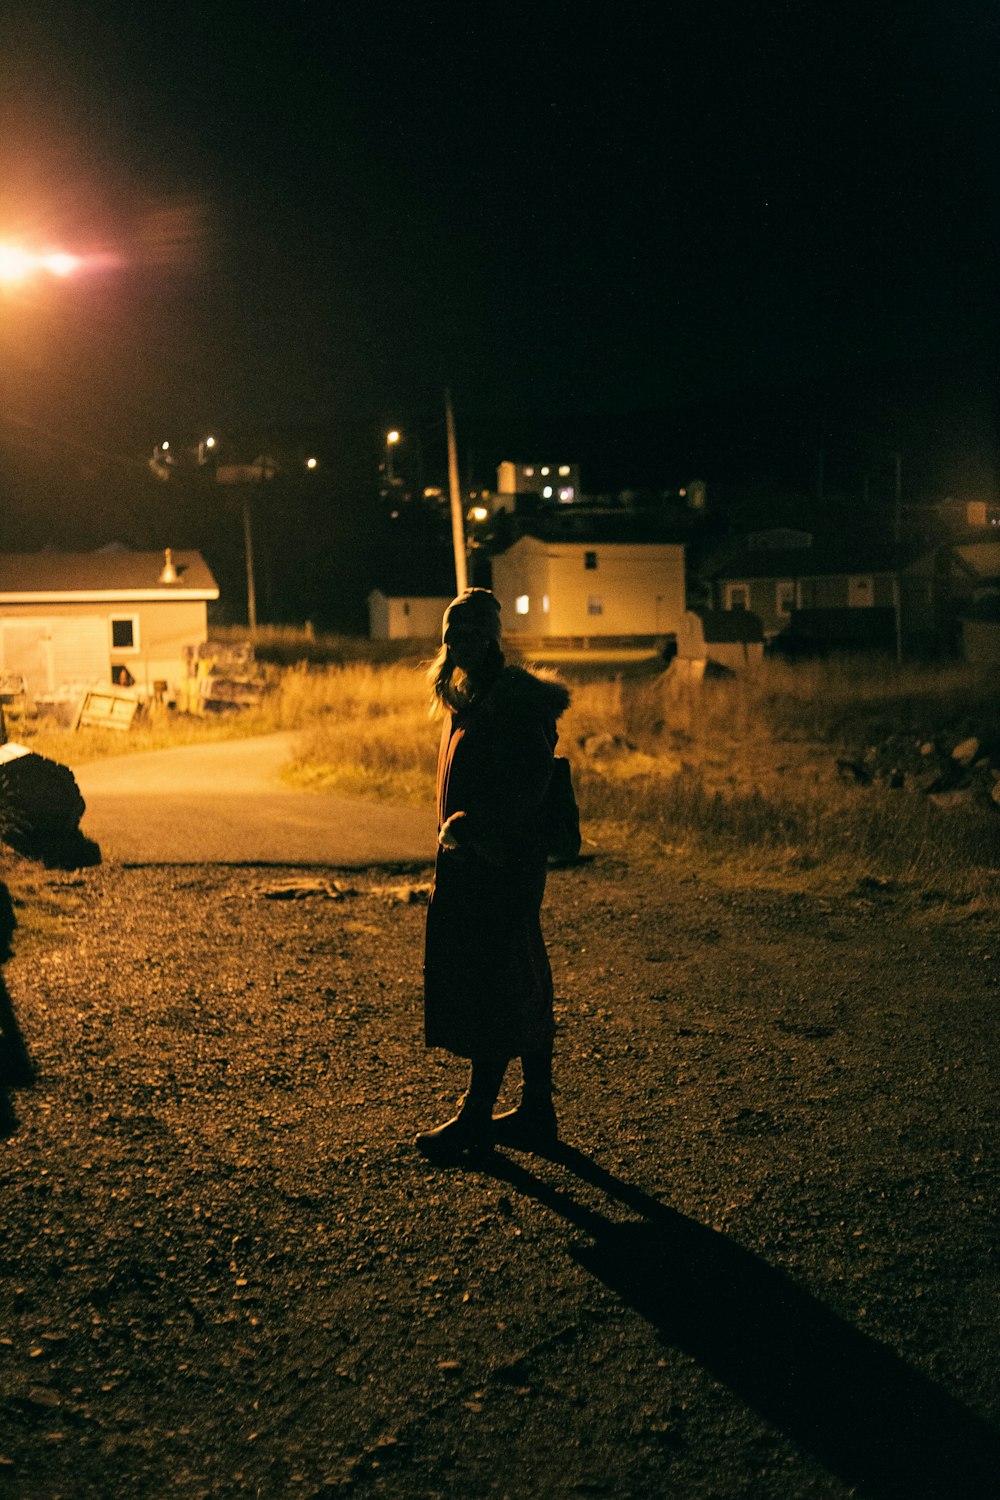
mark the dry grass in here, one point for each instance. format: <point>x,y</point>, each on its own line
<point>734,767</point>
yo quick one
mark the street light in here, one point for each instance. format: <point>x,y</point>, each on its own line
<point>391,439</point>
<point>17,263</point>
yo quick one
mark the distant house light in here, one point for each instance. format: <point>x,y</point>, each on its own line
<point>522,604</point>
<point>547,492</point>
<point>479,512</point>
<point>546,469</point>
<point>564,469</point>
<point>529,472</point>
<point>567,492</point>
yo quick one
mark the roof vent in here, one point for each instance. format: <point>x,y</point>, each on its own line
<point>169,573</point>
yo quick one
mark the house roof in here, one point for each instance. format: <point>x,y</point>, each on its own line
<point>982,558</point>
<point>823,561</point>
<point>111,575</point>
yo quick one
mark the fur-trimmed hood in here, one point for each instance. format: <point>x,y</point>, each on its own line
<point>520,694</point>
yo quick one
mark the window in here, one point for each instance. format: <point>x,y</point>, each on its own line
<point>529,472</point>
<point>547,492</point>
<point>590,561</point>
<point>545,470</point>
<point>522,604</point>
<point>563,470</point>
<point>784,596</point>
<point>737,596</point>
<point>125,633</point>
<point>545,604</point>
<point>406,606</point>
<point>860,592</point>
<point>595,605</point>
<point>566,493</point>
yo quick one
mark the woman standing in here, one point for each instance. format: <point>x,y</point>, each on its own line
<point>487,981</point>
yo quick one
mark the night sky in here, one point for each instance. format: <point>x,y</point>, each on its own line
<point>689,229</point>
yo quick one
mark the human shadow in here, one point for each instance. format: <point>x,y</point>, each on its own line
<point>16,1070</point>
<point>851,1402</point>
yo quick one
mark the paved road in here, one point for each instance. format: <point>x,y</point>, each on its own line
<point>226,804</point>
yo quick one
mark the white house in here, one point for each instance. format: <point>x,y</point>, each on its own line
<point>587,589</point>
<point>399,617</point>
<point>81,618</point>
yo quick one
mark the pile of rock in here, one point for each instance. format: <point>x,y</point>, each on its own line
<point>954,771</point>
<point>41,808</point>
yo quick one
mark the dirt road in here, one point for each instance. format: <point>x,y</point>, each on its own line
<point>763,1265</point>
<point>227,804</point>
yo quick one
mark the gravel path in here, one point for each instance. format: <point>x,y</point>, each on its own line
<point>763,1265</point>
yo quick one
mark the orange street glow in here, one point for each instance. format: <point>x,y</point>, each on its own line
<point>17,263</point>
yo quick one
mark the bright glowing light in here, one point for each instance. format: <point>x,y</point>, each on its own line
<point>564,469</point>
<point>392,437</point>
<point>210,442</point>
<point>529,472</point>
<point>547,492</point>
<point>566,493</point>
<point>311,463</point>
<point>545,604</point>
<point>522,604</point>
<point>165,445</point>
<point>546,469</point>
<point>15,263</point>
<point>60,264</point>
<point>479,512</point>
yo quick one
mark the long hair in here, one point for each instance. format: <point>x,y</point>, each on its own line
<point>452,689</point>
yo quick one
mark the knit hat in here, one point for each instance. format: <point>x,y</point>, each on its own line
<point>474,609</point>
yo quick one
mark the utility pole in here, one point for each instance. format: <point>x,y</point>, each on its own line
<point>248,549</point>
<point>897,532</point>
<point>457,527</point>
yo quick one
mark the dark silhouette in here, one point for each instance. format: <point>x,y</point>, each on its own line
<point>487,979</point>
<point>16,1071</point>
<point>837,1393</point>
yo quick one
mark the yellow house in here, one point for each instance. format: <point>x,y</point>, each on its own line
<point>588,589</point>
<point>71,619</point>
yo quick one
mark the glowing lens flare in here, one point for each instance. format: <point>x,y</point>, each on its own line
<point>17,264</point>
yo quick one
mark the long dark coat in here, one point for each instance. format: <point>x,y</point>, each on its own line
<point>487,981</point>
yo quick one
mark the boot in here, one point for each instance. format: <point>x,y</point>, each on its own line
<point>531,1126</point>
<point>470,1130</point>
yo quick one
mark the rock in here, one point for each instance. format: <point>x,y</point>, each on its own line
<point>41,808</point>
<point>966,751</point>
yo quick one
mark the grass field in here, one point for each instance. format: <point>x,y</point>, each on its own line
<point>736,766</point>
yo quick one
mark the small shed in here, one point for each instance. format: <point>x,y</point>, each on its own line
<point>733,639</point>
<point>400,617</point>
<point>74,619</point>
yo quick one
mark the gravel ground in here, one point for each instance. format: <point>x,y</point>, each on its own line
<point>762,1265</point>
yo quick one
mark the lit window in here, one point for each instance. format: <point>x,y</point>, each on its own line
<point>547,492</point>
<point>522,604</point>
<point>529,472</point>
<point>545,604</point>
<point>590,561</point>
<point>124,634</point>
<point>566,493</point>
<point>595,605</point>
<point>546,470</point>
<point>564,470</point>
